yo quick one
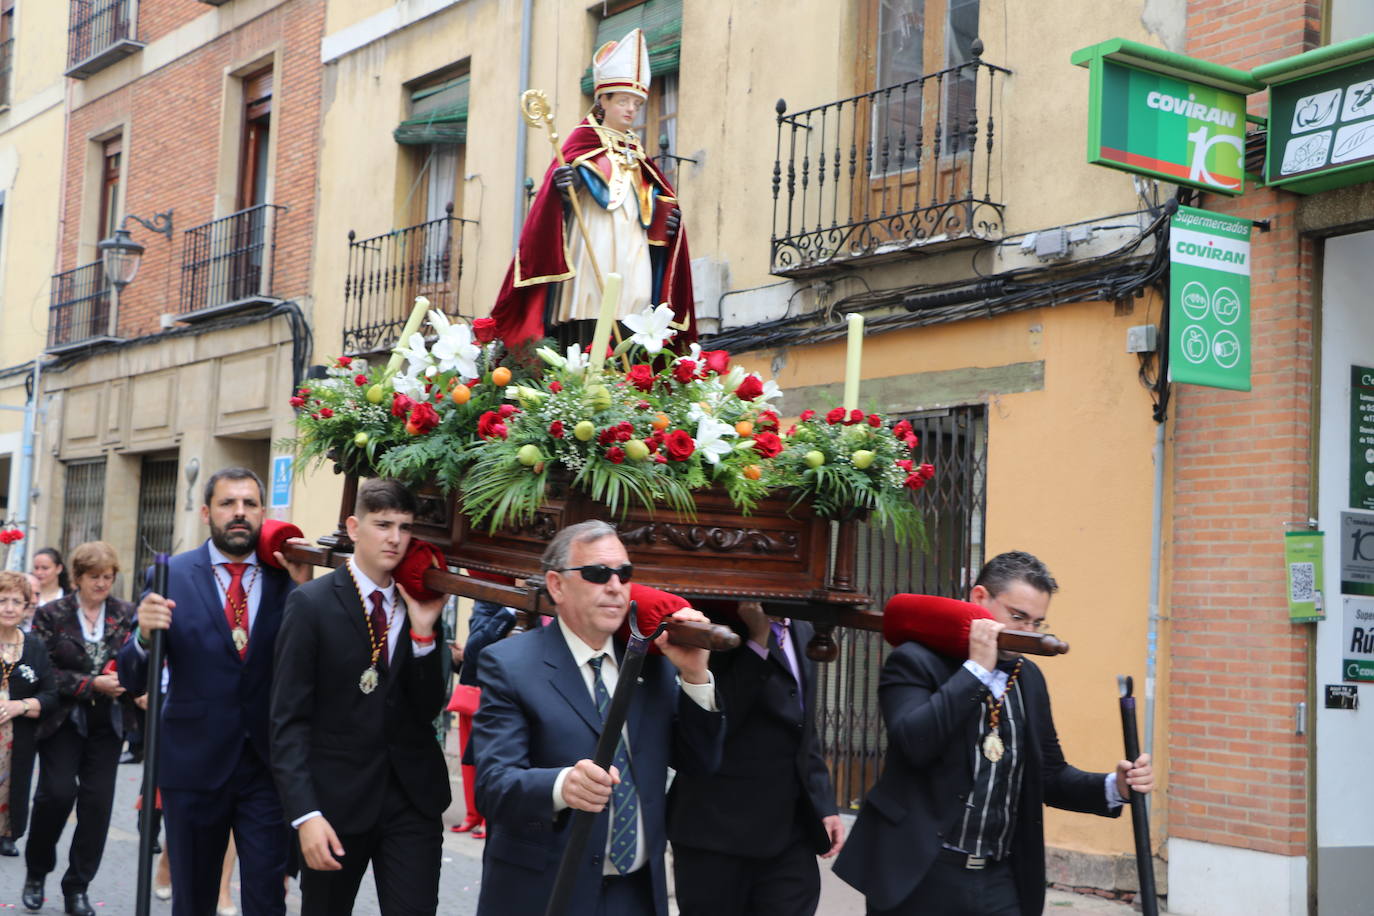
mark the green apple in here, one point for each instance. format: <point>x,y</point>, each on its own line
<point>814,458</point>
<point>528,455</point>
<point>360,439</point>
<point>862,458</point>
<point>599,396</point>
<point>585,430</point>
<point>374,394</point>
<point>637,449</point>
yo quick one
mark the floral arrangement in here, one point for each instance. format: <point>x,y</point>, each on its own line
<point>649,427</point>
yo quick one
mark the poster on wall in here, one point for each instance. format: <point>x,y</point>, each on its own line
<point>1357,652</point>
<point>1303,554</point>
<point>1361,437</point>
<point>1357,553</point>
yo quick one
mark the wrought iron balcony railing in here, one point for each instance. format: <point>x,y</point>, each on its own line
<point>79,312</point>
<point>101,32</point>
<point>887,171</point>
<point>387,272</point>
<point>6,69</point>
<point>227,263</point>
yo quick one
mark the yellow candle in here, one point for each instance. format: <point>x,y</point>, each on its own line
<point>610,299</point>
<point>417,315</point>
<point>852,359</point>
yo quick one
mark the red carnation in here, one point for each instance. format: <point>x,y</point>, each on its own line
<point>507,410</point>
<point>902,429</point>
<point>423,418</point>
<point>489,425</point>
<point>345,361</point>
<point>927,471</point>
<point>750,388</point>
<point>767,444</point>
<point>913,440</point>
<point>556,429</point>
<point>484,329</point>
<point>555,386</point>
<point>679,444</point>
<point>717,361</point>
<point>615,454</point>
<point>905,465</point>
<point>641,376</point>
<point>791,430</point>
<point>915,481</point>
<point>298,401</point>
<point>685,370</point>
<point>875,421</point>
<point>326,412</point>
<point>643,405</point>
<point>400,405</point>
<point>606,436</point>
<point>807,414</point>
<point>835,416</point>
<point>659,459</point>
<point>768,420</point>
<point>855,416</point>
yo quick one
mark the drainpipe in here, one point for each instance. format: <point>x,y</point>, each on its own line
<point>1156,551</point>
<point>522,131</point>
<point>23,494</point>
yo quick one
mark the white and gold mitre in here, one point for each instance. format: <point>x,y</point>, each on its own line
<point>622,66</point>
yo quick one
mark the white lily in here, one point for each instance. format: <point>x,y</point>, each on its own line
<point>733,378</point>
<point>710,439</point>
<point>651,327</point>
<point>771,391</point>
<point>550,356</point>
<point>576,360</point>
<point>454,350</point>
<point>415,354</point>
<point>409,384</point>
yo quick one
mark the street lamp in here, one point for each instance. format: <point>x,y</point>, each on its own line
<point>120,254</point>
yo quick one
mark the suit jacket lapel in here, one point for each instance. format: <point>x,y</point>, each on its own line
<point>565,677</point>
<point>203,581</point>
<point>347,595</point>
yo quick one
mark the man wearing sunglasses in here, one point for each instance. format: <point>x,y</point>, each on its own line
<point>953,826</point>
<point>544,697</point>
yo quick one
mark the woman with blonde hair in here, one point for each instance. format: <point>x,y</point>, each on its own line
<point>27,691</point>
<point>79,743</point>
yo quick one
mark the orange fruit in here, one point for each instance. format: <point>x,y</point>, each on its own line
<point>660,422</point>
<point>744,428</point>
<point>752,471</point>
<point>460,393</point>
<point>500,376</point>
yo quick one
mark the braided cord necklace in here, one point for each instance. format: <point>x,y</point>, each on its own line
<point>993,746</point>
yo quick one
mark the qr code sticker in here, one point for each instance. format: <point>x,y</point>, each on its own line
<point>1302,579</point>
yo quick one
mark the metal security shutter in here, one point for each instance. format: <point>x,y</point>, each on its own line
<point>83,503</point>
<point>438,114</point>
<point>661,21</point>
<point>157,503</point>
<point>848,723</point>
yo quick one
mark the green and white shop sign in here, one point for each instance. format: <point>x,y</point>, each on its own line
<point>1209,299</point>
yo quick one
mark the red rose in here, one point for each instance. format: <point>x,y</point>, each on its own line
<point>875,421</point>
<point>400,405</point>
<point>507,410</point>
<point>326,412</point>
<point>423,418</point>
<point>767,444</point>
<point>750,388</point>
<point>298,401</point>
<point>685,370</point>
<point>915,481</point>
<point>855,416</point>
<point>654,441</point>
<point>927,471</point>
<point>806,415</point>
<point>913,440</point>
<point>489,425</point>
<point>360,380</point>
<point>345,361</point>
<point>484,329</point>
<point>641,376</point>
<point>555,386</point>
<point>905,465</point>
<point>717,361</point>
<point>615,455</point>
<point>902,429</point>
<point>835,416</point>
<point>556,429</point>
<point>679,444</point>
<point>768,420</point>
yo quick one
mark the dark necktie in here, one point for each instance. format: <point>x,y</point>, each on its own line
<point>624,799</point>
<point>380,625</point>
<point>236,602</point>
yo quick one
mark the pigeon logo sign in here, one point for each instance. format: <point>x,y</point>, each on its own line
<point>1209,299</point>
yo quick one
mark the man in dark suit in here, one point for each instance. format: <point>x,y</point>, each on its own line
<point>213,759</point>
<point>357,689</point>
<point>543,703</point>
<point>745,839</point>
<point>953,825</point>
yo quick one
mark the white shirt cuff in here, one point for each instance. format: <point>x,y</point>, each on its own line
<point>996,681</point>
<point>1114,799</point>
<point>420,651</point>
<point>704,695</point>
<point>558,803</point>
<point>305,817</point>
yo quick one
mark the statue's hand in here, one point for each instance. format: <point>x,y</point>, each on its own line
<point>565,180</point>
<point>673,221</point>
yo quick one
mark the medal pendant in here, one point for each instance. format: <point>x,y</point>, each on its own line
<point>240,638</point>
<point>993,748</point>
<point>368,682</point>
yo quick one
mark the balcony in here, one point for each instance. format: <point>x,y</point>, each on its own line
<point>6,69</point>
<point>215,2</point>
<point>79,312</point>
<point>226,264</point>
<point>387,272</point>
<point>102,32</point>
<point>888,172</point>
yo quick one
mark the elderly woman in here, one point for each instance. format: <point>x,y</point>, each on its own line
<point>79,744</point>
<point>27,691</point>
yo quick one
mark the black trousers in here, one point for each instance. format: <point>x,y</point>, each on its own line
<point>627,895</point>
<point>405,848</point>
<point>198,826</point>
<point>718,884</point>
<point>74,771</point>
<point>949,889</point>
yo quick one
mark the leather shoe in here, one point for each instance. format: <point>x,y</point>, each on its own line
<point>78,905</point>
<point>7,847</point>
<point>33,894</point>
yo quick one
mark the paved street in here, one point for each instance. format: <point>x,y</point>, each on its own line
<point>114,887</point>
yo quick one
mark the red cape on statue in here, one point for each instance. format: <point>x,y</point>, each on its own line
<point>541,259</point>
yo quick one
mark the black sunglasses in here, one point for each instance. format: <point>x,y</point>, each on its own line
<point>600,573</point>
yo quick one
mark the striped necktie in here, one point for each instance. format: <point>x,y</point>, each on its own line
<point>624,798</point>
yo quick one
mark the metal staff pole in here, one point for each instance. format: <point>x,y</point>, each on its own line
<point>1140,814</point>
<point>152,726</point>
<point>581,827</point>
